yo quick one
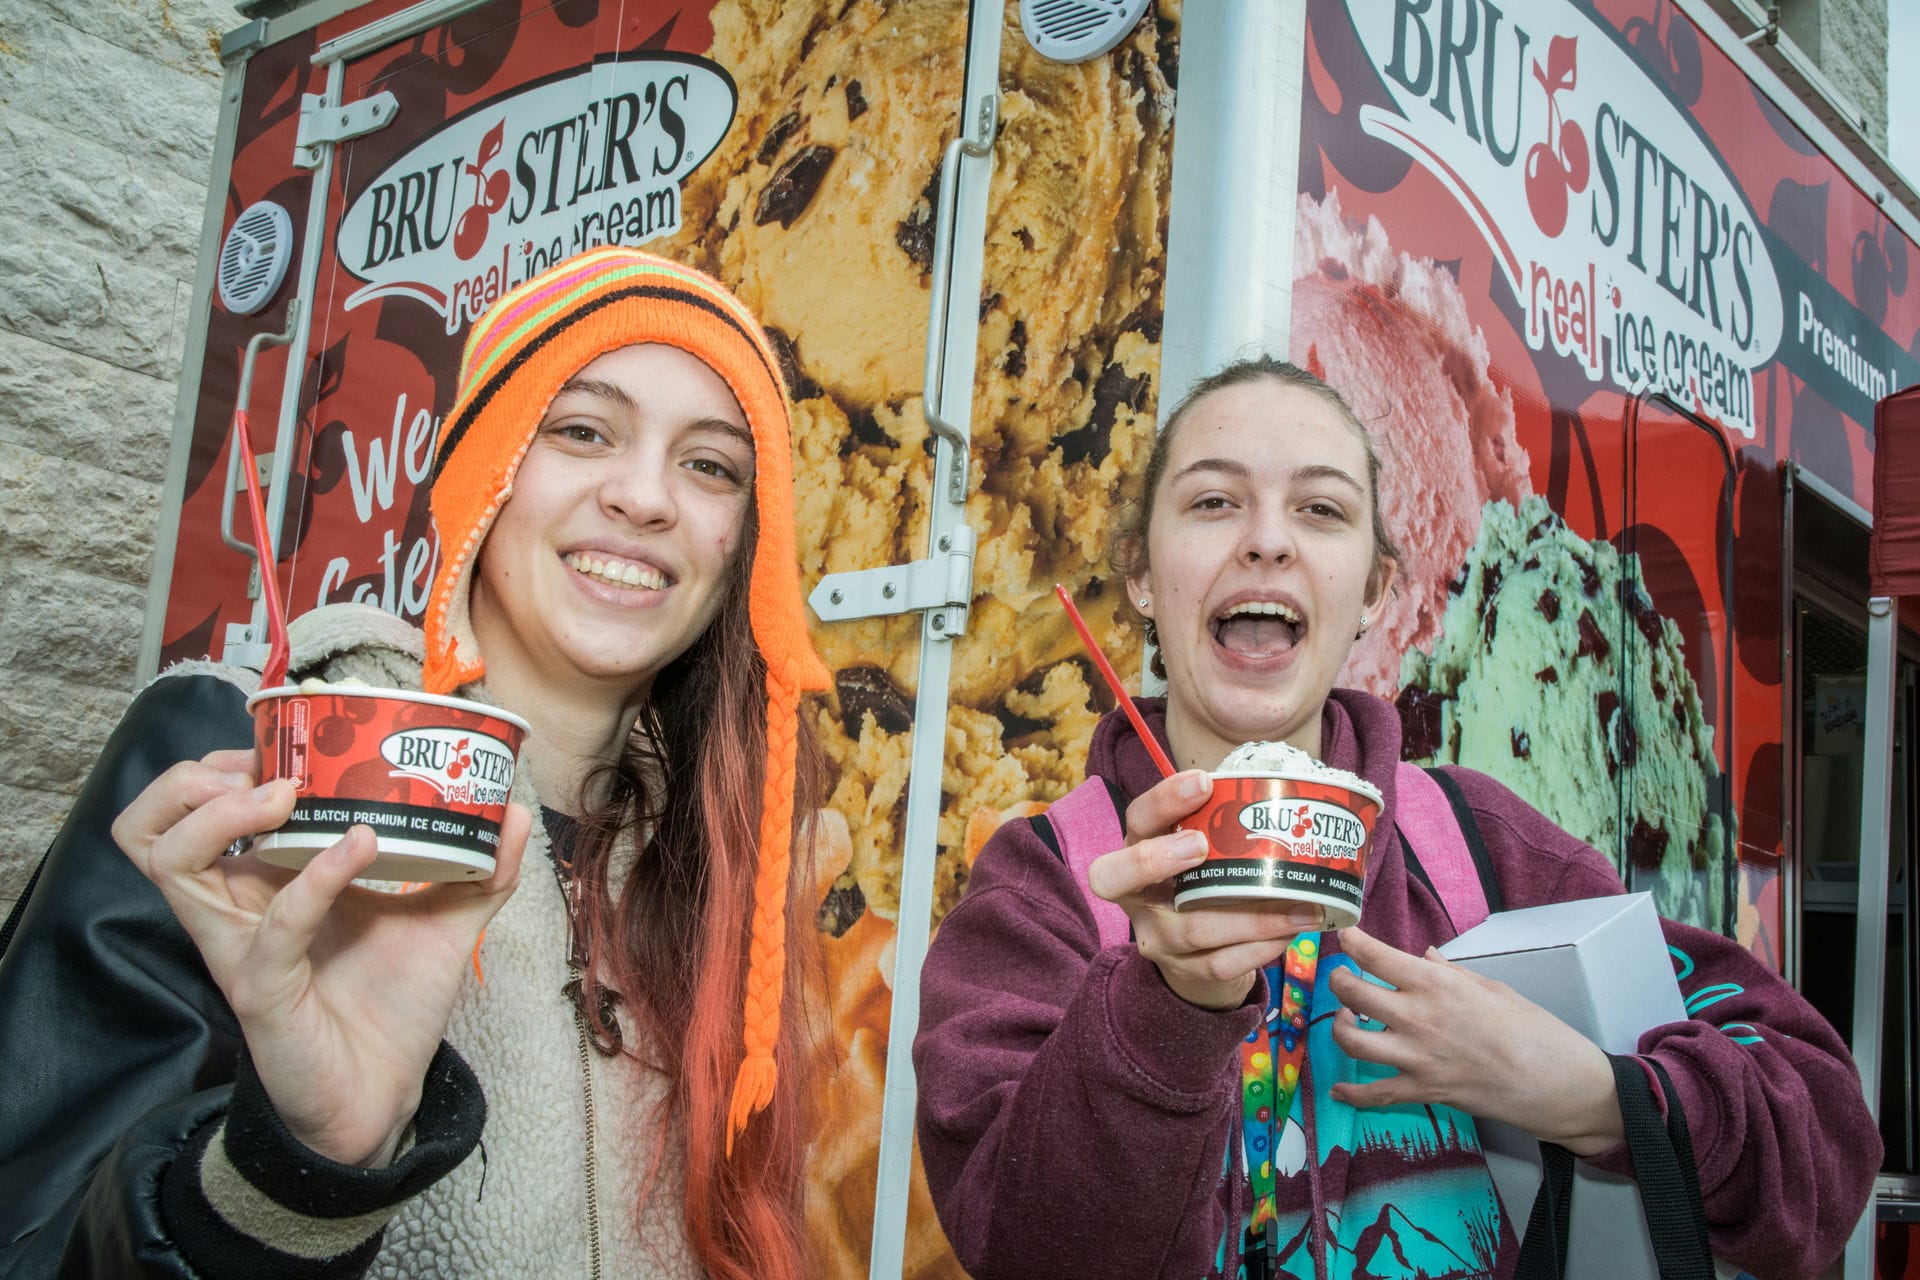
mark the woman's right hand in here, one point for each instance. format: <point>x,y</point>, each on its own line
<point>1210,954</point>
<point>343,993</point>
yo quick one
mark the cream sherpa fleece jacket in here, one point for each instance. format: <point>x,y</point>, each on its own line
<point>520,1207</point>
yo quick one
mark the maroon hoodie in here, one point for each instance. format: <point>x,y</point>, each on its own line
<point>1075,1114</point>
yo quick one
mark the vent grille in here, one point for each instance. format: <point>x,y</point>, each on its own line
<point>253,260</point>
<point>1078,30</point>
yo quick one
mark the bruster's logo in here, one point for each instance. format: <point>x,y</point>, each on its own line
<point>1625,240</point>
<point>501,193</point>
<point>463,766</point>
<point>1306,829</point>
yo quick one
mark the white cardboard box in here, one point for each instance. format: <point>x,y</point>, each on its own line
<point>1601,966</point>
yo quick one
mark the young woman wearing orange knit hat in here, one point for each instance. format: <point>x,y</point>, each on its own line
<point>262,1073</point>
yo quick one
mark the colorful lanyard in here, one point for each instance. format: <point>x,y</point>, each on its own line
<point>1271,1059</point>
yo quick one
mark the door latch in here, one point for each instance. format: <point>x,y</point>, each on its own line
<point>942,583</point>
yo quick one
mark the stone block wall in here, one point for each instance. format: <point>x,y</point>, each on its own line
<point>107,118</point>
<point>1847,39</point>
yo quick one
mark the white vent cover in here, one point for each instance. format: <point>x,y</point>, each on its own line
<point>1078,30</point>
<point>254,259</point>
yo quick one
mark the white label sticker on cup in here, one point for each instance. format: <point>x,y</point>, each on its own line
<point>463,766</point>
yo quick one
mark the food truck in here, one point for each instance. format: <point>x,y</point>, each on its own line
<point>1616,303</point>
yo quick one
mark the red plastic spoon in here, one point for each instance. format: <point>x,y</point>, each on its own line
<point>1113,682</point>
<point>274,673</point>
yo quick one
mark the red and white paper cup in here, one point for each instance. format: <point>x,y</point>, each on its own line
<point>1271,835</point>
<point>428,774</point>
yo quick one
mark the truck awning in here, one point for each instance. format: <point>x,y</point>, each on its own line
<point>1893,556</point>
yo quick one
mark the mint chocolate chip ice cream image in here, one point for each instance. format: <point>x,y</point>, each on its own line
<point>1555,674</point>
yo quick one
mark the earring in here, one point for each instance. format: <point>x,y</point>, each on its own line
<point>1143,602</point>
<point>1365,622</point>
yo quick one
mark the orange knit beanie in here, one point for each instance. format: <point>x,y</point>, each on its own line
<point>517,358</point>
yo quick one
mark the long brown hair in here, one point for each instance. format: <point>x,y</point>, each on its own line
<point>676,936</point>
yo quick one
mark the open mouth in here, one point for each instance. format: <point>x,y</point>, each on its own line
<point>1259,628</point>
<point>615,572</point>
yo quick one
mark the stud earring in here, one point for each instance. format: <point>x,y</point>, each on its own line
<point>1143,602</point>
<point>1365,622</point>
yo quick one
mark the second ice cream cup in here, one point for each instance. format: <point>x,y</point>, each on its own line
<point>429,774</point>
<point>1272,836</point>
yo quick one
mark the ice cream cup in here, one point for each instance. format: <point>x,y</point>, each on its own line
<point>1271,835</point>
<point>429,774</point>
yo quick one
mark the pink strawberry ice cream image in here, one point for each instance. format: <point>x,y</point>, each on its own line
<point>1391,333</point>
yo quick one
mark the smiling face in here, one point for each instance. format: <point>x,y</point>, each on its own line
<point>1260,561</point>
<point>614,552</point>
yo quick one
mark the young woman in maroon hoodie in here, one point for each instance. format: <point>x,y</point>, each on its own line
<point>1205,1099</point>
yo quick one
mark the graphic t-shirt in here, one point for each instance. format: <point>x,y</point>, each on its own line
<point>1343,1192</point>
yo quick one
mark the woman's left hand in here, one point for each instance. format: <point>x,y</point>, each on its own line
<point>1472,1043</point>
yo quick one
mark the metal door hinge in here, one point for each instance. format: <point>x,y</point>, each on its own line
<point>322,125</point>
<point>942,584</point>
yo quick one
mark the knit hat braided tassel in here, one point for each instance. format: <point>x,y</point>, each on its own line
<point>766,968</point>
<point>518,356</point>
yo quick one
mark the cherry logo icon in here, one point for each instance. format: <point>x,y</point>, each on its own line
<point>490,192</point>
<point>1879,269</point>
<point>1559,166</point>
<point>1302,822</point>
<point>1670,48</point>
<point>462,759</point>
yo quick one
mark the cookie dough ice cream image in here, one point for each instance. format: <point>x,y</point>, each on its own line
<point>1555,673</point>
<point>1282,825</point>
<point>818,209</point>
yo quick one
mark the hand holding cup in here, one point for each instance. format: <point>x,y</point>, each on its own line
<point>1209,956</point>
<point>343,993</point>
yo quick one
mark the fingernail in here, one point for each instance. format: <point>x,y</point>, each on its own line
<point>235,781</point>
<point>1194,785</point>
<point>1305,914</point>
<point>264,791</point>
<point>1191,845</point>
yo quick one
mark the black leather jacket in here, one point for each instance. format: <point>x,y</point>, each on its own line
<point>119,1057</point>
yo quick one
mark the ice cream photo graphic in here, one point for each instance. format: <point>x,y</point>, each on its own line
<point>1512,644</point>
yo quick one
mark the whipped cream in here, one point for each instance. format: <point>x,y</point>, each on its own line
<point>314,684</point>
<point>1285,758</point>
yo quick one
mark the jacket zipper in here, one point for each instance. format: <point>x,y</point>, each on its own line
<point>592,1163</point>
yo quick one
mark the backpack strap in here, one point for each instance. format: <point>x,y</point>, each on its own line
<point>1456,865</point>
<point>1086,825</point>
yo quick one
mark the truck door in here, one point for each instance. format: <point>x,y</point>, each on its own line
<point>414,162</point>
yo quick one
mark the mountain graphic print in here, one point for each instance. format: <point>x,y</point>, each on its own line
<point>1389,1193</point>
